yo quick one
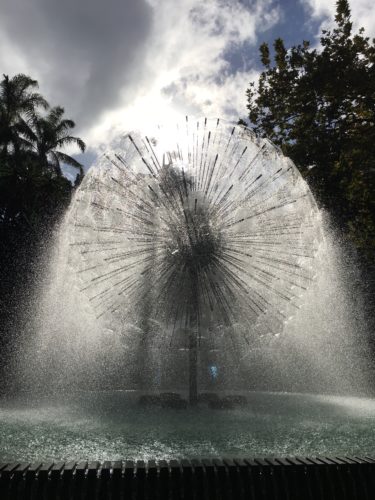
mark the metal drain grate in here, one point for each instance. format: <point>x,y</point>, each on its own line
<point>296,478</point>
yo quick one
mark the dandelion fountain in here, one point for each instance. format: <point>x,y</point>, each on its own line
<point>193,260</point>
<point>207,225</point>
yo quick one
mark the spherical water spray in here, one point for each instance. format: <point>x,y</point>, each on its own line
<point>205,223</point>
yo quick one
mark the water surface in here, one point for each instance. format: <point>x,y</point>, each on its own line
<point>110,426</point>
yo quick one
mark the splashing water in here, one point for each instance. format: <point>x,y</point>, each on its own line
<point>124,244</point>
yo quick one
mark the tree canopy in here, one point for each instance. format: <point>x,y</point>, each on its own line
<point>318,105</point>
<point>32,141</point>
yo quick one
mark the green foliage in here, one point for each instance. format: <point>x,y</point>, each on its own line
<point>319,107</point>
<point>32,187</point>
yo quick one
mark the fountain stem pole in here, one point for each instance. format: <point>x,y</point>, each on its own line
<point>193,369</point>
<point>193,340</point>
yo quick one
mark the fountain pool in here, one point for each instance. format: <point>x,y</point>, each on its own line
<point>111,425</point>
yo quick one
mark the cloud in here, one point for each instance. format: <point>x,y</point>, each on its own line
<point>363,13</point>
<point>82,52</point>
<point>188,65</point>
<point>117,63</point>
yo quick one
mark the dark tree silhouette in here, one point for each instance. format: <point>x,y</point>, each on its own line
<point>47,134</point>
<point>32,186</point>
<point>17,100</point>
<point>319,107</point>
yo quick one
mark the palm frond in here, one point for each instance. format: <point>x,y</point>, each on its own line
<point>54,160</point>
<point>26,143</point>
<point>68,160</point>
<point>34,101</point>
<point>22,127</point>
<point>23,81</point>
<point>64,126</point>
<point>68,139</point>
<point>54,115</point>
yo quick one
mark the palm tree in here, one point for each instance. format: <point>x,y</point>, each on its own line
<point>17,101</point>
<point>47,134</point>
<point>31,153</point>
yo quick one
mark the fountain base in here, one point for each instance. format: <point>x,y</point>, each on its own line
<point>175,401</point>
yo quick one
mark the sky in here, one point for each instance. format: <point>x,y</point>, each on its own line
<point>116,64</point>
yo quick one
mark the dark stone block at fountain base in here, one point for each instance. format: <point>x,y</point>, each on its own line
<point>297,478</point>
<point>175,401</point>
<point>227,402</point>
<point>172,400</point>
<point>149,400</point>
<point>165,400</point>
